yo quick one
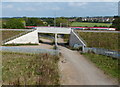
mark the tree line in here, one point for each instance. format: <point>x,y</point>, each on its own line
<point>116,23</point>
<point>20,23</point>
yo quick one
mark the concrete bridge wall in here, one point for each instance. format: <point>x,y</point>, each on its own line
<point>75,40</point>
<point>31,37</point>
<point>57,30</point>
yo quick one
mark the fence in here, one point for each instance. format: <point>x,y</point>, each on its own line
<point>106,52</point>
<point>29,50</point>
<point>11,38</point>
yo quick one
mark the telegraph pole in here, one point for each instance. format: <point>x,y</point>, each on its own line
<point>55,19</point>
<point>56,31</point>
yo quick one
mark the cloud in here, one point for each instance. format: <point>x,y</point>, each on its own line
<point>7,6</point>
<point>74,4</point>
<point>19,9</point>
<point>26,9</point>
<point>55,8</point>
<point>30,9</point>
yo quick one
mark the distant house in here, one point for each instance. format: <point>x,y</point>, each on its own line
<point>71,20</point>
<point>98,19</point>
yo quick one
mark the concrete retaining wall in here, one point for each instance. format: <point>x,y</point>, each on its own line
<point>74,39</point>
<point>31,37</point>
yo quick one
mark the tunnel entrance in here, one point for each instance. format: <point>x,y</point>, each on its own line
<point>53,39</point>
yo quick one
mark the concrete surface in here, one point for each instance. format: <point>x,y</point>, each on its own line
<point>57,30</point>
<point>31,37</point>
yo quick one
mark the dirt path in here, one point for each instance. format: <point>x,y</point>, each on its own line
<point>76,70</point>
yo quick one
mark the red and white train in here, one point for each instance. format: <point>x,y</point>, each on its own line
<point>94,28</point>
<point>83,28</point>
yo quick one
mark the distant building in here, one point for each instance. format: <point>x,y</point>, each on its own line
<point>71,20</point>
<point>98,19</point>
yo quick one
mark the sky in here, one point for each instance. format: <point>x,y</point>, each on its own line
<point>66,9</point>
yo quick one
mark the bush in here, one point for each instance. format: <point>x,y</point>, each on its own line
<point>14,24</point>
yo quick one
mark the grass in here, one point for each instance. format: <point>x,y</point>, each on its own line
<point>107,64</point>
<point>8,34</point>
<point>66,38</point>
<point>29,69</point>
<point>86,24</point>
<point>101,40</point>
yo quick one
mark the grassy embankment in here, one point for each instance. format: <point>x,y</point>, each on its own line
<point>87,24</point>
<point>107,64</point>
<point>101,40</point>
<point>8,34</point>
<point>29,69</point>
<point>107,41</point>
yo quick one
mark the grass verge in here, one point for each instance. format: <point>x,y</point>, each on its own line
<point>29,69</point>
<point>101,40</point>
<point>107,64</point>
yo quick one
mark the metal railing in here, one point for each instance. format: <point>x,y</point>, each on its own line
<point>106,52</point>
<point>16,36</point>
<point>31,50</point>
<point>80,38</point>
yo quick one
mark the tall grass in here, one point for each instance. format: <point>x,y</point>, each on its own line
<point>30,69</point>
<point>101,40</point>
<point>107,64</point>
<point>8,34</point>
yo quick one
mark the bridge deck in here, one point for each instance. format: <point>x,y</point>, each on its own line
<point>57,30</point>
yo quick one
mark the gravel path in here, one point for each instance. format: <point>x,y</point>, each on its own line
<point>77,70</point>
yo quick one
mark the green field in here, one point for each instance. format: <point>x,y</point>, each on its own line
<point>86,24</point>
<point>107,64</point>
<point>101,40</point>
<point>29,69</point>
<point>8,34</point>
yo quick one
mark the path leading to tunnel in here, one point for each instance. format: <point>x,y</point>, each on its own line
<point>77,70</point>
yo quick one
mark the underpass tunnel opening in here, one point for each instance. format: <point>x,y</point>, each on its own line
<point>46,38</point>
<point>53,39</point>
<point>63,39</point>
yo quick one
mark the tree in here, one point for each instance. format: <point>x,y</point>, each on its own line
<point>50,21</point>
<point>79,19</point>
<point>34,22</point>
<point>62,22</point>
<point>13,24</point>
<point>116,23</point>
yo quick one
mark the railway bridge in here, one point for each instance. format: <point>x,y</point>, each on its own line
<point>32,37</point>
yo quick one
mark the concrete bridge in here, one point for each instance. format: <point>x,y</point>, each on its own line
<point>54,30</point>
<point>32,37</point>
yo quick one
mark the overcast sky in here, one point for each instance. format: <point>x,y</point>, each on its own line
<point>48,9</point>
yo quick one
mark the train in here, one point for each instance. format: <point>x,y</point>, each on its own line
<point>93,28</point>
<point>82,28</point>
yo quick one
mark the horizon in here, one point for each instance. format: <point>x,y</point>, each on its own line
<point>52,16</point>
